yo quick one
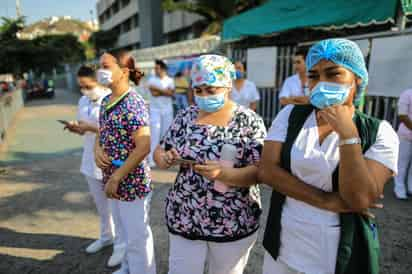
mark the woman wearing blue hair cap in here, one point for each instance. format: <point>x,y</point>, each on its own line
<point>328,164</point>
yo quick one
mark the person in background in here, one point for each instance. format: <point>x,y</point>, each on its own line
<point>294,90</point>
<point>122,146</point>
<point>209,221</point>
<point>162,89</point>
<point>328,164</point>
<point>87,125</point>
<point>244,92</point>
<point>403,181</point>
<point>181,91</point>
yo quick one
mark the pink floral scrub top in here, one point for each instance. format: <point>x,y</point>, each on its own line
<point>194,209</point>
<point>118,121</point>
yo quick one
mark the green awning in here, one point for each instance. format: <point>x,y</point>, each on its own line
<point>276,16</point>
<point>407,6</point>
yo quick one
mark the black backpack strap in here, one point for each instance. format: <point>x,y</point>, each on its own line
<point>271,240</point>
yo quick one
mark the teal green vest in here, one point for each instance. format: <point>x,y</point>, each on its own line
<point>358,251</point>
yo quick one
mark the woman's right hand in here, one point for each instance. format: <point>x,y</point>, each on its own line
<point>334,203</point>
<point>168,158</point>
<point>73,127</point>
<point>101,158</point>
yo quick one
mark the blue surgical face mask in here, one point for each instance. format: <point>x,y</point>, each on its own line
<point>240,74</point>
<point>326,94</point>
<point>210,103</point>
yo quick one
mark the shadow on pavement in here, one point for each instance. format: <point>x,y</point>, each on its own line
<point>61,254</point>
<point>23,157</point>
<point>54,186</point>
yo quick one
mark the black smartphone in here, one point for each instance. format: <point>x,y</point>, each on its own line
<point>182,161</point>
<point>64,122</point>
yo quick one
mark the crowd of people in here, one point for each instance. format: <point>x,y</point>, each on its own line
<point>325,160</point>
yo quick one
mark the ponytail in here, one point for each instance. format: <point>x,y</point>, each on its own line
<point>127,61</point>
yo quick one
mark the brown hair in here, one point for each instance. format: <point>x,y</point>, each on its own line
<point>125,60</point>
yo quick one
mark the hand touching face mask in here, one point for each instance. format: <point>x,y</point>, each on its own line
<point>326,94</point>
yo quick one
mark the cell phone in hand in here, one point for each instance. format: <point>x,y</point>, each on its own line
<point>64,122</point>
<point>182,161</point>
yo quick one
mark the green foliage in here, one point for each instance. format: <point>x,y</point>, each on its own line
<point>41,54</point>
<point>214,11</point>
<point>10,27</point>
<point>89,50</point>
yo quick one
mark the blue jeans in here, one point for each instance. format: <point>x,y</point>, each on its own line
<point>181,101</point>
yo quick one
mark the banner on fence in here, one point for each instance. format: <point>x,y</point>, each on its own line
<point>390,67</point>
<point>261,66</point>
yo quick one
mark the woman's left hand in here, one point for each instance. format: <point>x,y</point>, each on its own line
<point>111,187</point>
<point>340,119</point>
<point>211,170</point>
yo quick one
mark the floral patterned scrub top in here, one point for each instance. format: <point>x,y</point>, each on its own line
<point>118,121</point>
<point>194,209</point>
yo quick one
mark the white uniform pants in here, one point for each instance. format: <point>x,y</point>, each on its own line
<point>134,222</point>
<point>160,121</point>
<point>190,257</point>
<point>270,266</point>
<point>109,224</point>
<point>404,177</point>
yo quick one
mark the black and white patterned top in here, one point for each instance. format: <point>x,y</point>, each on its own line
<point>194,209</point>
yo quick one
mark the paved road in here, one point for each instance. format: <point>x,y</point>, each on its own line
<point>47,217</point>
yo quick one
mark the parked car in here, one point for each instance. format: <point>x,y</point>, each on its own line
<point>40,89</point>
<point>6,86</point>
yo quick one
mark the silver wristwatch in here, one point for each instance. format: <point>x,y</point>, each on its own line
<point>350,141</point>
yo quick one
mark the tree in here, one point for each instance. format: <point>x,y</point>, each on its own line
<point>10,27</point>
<point>214,11</point>
<point>41,54</point>
<point>69,48</point>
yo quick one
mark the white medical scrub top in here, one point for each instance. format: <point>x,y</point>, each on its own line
<point>293,87</point>
<point>309,235</point>
<point>88,111</point>
<point>161,102</point>
<point>246,95</point>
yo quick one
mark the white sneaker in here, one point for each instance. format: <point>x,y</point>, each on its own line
<point>117,257</point>
<point>400,196</point>
<point>120,271</point>
<point>152,164</point>
<point>97,245</point>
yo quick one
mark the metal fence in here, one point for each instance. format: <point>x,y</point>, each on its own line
<point>382,107</point>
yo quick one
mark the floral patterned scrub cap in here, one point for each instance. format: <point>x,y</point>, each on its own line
<point>343,52</point>
<point>213,70</point>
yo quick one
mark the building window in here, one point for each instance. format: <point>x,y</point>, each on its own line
<point>115,7</point>
<point>125,3</point>
<point>117,29</point>
<point>127,25</point>
<point>101,19</point>
<point>135,20</point>
<point>107,15</point>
